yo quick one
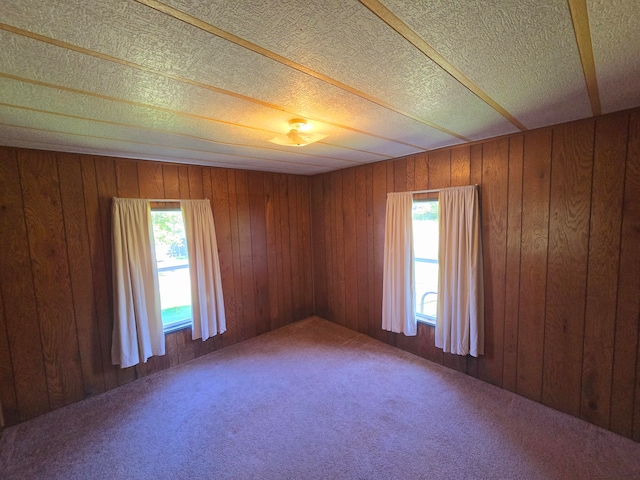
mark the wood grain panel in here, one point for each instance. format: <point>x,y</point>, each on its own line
<point>305,252</point>
<point>625,413</point>
<point>567,265</point>
<point>285,248</point>
<point>259,250</point>
<point>9,413</point>
<point>460,166</point>
<point>51,278</point>
<point>220,206</point>
<point>327,189</point>
<point>73,232</point>
<point>339,250</point>
<point>236,296</point>
<point>350,249</point>
<point>494,238</point>
<point>319,253</point>
<point>19,297</point>
<point>101,280</point>
<point>604,251</point>
<point>246,260</point>
<point>512,273</point>
<point>533,273</point>
<point>78,252</point>
<point>371,324</point>
<point>379,198</point>
<point>362,249</point>
<point>272,252</point>
<point>296,274</point>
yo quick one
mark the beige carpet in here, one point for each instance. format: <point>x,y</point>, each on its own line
<point>312,400</point>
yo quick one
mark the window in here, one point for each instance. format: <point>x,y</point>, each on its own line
<point>173,269</point>
<point>425,248</point>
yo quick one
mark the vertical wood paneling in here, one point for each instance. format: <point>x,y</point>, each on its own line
<point>305,252</point>
<point>512,273</point>
<point>9,413</point>
<point>339,250</point>
<point>236,295</point>
<point>51,278</point>
<point>259,251</point>
<point>533,270</point>
<point>328,200</point>
<point>296,274</point>
<point>548,250</point>
<point>285,248</point>
<point>379,197</point>
<point>64,318</point>
<point>78,252</point>
<point>604,251</point>
<point>246,260</point>
<point>361,247</point>
<point>494,238</point>
<point>101,279</point>
<point>371,324</point>
<point>19,297</point>
<point>319,254</point>
<point>570,204</point>
<point>625,412</point>
<point>220,200</point>
<point>350,250</point>
<point>272,252</point>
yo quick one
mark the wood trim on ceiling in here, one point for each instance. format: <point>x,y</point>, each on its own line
<point>412,37</point>
<point>580,19</point>
<point>102,56</point>
<point>207,27</point>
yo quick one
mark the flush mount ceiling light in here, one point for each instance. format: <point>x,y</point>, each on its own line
<point>297,136</point>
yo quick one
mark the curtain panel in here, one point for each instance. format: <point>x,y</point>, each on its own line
<point>398,286</point>
<point>137,324</point>
<point>207,302</point>
<point>460,311</point>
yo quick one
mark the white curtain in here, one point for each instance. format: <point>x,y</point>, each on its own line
<point>137,324</point>
<point>460,314</point>
<point>207,303</point>
<point>398,287</point>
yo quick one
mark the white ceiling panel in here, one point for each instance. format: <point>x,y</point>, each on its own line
<point>616,51</point>
<point>211,82</point>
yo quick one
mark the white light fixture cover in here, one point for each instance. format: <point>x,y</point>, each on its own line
<point>297,137</point>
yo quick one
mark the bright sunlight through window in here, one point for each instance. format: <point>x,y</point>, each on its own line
<point>425,249</point>
<point>173,268</point>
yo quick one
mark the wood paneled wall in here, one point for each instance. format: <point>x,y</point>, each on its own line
<point>561,234</point>
<point>55,267</point>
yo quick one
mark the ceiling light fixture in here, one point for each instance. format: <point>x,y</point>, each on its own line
<point>297,137</point>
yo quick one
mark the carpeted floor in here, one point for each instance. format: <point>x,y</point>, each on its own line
<point>312,400</point>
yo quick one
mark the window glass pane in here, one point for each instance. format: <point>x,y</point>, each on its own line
<point>425,247</point>
<point>173,268</point>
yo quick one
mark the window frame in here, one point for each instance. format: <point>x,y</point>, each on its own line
<point>421,317</point>
<point>180,324</point>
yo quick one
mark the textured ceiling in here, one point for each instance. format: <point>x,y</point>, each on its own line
<point>210,82</point>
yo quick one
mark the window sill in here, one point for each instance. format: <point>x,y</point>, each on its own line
<point>174,327</point>
<point>426,320</point>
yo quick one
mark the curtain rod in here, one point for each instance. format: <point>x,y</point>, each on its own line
<point>163,200</point>
<point>435,190</point>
